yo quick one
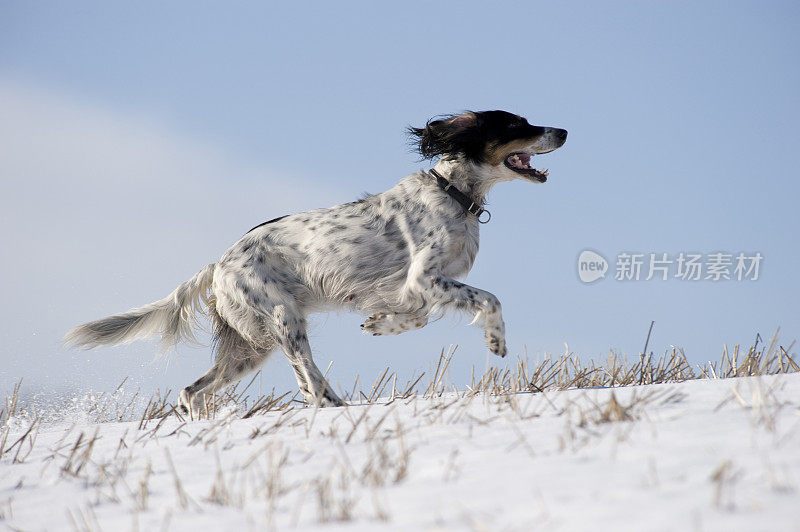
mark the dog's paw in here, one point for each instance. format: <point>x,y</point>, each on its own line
<point>496,337</point>
<point>328,400</point>
<point>382,324</point>
<point>325,399</point>
<point>190,405</point>
<point>496,344</point>
<point>376,325</point>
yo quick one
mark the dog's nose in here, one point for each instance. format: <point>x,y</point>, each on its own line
<point>561,134</point>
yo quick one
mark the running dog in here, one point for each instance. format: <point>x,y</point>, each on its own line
<point>394,257</point>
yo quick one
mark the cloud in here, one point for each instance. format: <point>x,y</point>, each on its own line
<point>103,208</point>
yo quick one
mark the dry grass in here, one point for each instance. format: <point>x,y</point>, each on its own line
<point>565,372</point>
<point>6,511</point>
<point>568,372</point>
<point>724,479</point>
<point>370,451</point>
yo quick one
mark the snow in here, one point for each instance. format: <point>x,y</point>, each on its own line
<point>698,455</point>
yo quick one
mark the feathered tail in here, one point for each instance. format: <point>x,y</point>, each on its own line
<point>173,317</point>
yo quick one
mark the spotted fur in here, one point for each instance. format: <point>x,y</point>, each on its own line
<point>395,257</point>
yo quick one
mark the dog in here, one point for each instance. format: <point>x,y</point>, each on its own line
<point>395,257</point>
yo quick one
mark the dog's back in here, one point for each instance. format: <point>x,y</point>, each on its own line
<point>356,255</point>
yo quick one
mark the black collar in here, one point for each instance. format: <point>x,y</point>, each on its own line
<point>470,206</point>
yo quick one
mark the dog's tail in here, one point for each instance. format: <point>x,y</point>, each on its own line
<point>173,317</point>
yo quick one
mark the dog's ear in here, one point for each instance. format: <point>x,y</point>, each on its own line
<point>449,135</point>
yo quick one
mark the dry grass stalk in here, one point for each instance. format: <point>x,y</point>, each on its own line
<point>220,494</point>
<point>143,491</point>
<point>26,442</point>
<point>611,412</point>
<point>80,454</point>
<point>441,369</point>
<point>724,478</point>
<point>10,404</point>
<point>180,493</point>
<point>334,503</point>
<point>6,512</point>
<point>84,520</point>
<point>763,403</point>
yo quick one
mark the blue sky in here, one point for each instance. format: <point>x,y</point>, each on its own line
<point>138,141</point>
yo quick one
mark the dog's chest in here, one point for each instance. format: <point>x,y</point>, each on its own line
<point>460,250</point>
<point>443,241</point>
<point>439,233</point>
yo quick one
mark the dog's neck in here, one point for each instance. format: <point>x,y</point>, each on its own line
<point>470,178</point>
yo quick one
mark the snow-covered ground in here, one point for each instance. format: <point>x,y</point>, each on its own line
<point>697,455</point>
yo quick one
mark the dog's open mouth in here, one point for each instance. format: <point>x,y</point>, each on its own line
<point>520,162</point>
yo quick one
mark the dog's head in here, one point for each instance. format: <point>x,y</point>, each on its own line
<point>504,141</point>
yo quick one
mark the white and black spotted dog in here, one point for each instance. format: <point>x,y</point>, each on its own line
<point>393,256</point>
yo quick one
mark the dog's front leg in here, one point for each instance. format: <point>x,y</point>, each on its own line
<point>446,292</point>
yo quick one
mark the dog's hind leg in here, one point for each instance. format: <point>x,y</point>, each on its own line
<point>235,358</point>
<point>290,333</point>
<point>382,323</point>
